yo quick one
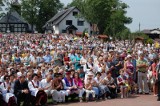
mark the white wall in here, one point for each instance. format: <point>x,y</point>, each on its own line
<point>57,31</point>
<point>155,32</point>
<point>62,24</point>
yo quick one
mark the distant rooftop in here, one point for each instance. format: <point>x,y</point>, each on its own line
<point>56,19</point>
<point>149,31</point>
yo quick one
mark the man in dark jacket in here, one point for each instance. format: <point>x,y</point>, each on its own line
<point>21,90</point>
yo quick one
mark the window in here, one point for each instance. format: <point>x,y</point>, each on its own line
<point>75,13</point>
<point>11,28</point>
<point>63,31</point>
<point>80,23</point>
<point>68,22</point>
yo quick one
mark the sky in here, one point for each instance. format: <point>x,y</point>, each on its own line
<point>145,12</point>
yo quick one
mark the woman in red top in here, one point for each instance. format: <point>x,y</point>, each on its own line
<point>66,60</point>
<point>155,87</point>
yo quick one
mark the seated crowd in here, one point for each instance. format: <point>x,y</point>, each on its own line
<point>89,71</point>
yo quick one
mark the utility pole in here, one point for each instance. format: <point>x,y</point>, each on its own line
<point>139,26</point>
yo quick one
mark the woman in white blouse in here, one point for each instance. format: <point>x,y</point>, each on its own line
<point>7,92</point>
<point>37,92</point>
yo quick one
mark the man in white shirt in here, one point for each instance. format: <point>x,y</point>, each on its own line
<point>46,84</point>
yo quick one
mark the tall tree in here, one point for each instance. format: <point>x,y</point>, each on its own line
<point>38,12</point>
<point>48,8</point>
<point>109,15</point>
<point>30,10</point>
<point>118,19</point>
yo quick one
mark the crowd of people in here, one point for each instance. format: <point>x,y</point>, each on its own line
<point>35,67</point>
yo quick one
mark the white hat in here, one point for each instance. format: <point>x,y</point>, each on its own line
<point>19,74</point>
<point>110,50</point>
<point>129,56</point>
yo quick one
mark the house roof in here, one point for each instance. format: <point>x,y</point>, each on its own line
<point>59,16</point>
<point>14,17</point>
<point>149,31</point>
<point>146,31</point>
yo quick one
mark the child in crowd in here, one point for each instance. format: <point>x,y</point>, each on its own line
<point>123,84</point>
<point>89,87</point>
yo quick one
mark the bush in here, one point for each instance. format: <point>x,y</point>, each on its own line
<point>150,41</point>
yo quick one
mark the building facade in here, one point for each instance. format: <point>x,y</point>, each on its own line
<point>67,21</point>
<point>152,33</point>
<point>14,23</point>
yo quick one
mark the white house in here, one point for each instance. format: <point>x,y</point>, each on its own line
<point>152,33</point>
<point>67,21</point>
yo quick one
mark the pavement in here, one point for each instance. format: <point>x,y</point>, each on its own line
<point>134,100</point>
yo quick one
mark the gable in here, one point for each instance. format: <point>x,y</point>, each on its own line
<point>74,18</point>
<point>69,11</point>
<point>61,15</point>
<point>14,17</point>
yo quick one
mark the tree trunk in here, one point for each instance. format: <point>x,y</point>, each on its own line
<point>101,29</point>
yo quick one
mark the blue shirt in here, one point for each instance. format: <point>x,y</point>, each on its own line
<point>47,58</point>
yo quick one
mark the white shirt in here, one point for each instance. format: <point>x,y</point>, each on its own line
<point>45,84</point>
<point>33,88</point>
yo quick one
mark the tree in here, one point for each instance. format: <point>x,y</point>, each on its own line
<point>30,10</point>
<point>4,7</point>
<point>38,12</point>
<point>117,20</point>
<point>144,36</point>
<point>16,6</point>
<point>7,6</point>
<point>48,8</point>
<point>109,15</point>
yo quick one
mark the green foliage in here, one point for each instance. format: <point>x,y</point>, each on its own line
<point>17,7</point>
<point>146,37</point>
<point>48,8</point>
<point>150,41</point>
<point>84,32</point>
<point>30,9</point>
<point>6,6</point>
<point>140,34</point>
<point>109,15</point>
<point>124,34</point>
<point>38,12</point>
